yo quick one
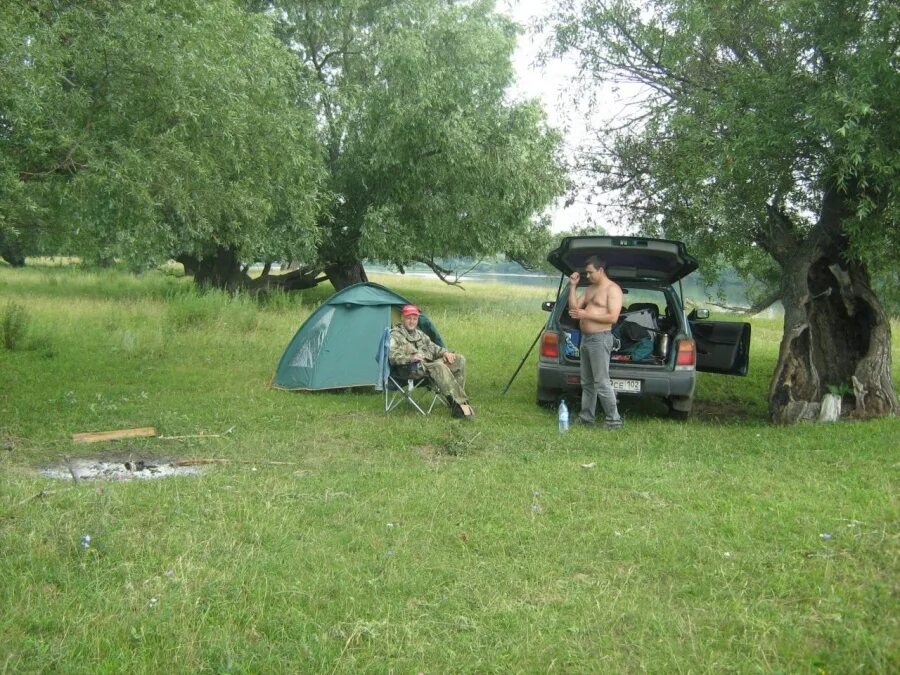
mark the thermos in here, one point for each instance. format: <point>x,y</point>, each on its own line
<point>662,345</point>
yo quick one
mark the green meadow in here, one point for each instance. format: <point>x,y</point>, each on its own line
<point>335,538</point>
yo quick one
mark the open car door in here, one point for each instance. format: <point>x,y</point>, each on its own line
<point>722,346</point>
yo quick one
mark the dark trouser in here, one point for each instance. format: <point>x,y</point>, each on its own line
<point>595,351</point>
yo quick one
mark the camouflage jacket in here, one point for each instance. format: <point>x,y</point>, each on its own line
<point>404,344</point>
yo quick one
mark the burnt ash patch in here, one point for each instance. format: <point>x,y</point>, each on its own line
<point>119,467</point>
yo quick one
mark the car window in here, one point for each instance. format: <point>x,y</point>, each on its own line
<point>632,296</point>
<point>638,296</point>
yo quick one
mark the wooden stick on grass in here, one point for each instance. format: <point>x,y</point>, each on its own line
<point>95,436</point>
<point>200,435</point>
<point>222,460</point>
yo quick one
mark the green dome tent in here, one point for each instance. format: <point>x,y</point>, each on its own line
<point>338,345</point>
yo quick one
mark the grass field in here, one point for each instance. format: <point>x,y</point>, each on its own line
<point>338,539</point>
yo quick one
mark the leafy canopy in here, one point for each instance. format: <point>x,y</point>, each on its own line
<point>751,109</point>
<point>154,128</point>
<point>427,156</point>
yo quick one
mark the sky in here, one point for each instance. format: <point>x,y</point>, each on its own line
<point>551,85</point>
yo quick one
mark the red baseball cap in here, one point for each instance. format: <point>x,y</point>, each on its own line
<point>410,310</point>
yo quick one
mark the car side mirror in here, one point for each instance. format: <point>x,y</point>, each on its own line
<point>548,305</point>
<point>698,313</point>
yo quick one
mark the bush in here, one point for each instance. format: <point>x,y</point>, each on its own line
<point>190,308</point>
<point>13,326</point>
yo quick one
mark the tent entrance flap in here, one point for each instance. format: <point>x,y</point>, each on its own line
<point>311,346</point>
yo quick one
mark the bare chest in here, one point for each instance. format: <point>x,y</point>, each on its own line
<point>597,297</point>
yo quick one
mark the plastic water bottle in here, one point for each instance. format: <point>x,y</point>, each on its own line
<point>563,417</point>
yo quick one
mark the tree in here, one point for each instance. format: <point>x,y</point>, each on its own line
<point>426,157</point>
<point>770,139</point>
<point>153,130</point>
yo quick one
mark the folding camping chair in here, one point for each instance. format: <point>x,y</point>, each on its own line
<point>403,383</point>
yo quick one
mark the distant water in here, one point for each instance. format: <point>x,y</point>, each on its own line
<point>523,279</point>
<point>693,291</point>
<point>518,278</point>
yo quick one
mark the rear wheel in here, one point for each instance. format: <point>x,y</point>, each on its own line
<point>680,408</point>
<point>548,398</point>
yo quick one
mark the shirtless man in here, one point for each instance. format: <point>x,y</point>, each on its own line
<point>597,310</point>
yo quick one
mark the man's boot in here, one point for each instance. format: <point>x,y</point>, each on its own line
<point>463,411</point>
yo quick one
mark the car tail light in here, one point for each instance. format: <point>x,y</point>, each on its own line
<point>686,357</point>
<point>550,345</point>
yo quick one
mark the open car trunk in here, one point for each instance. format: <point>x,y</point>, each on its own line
<point>647,339</point>
<point>639,340</point>
<point>722,347</point>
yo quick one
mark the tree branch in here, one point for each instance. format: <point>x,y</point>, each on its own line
<point>442,273</point>
<point>755,308</point>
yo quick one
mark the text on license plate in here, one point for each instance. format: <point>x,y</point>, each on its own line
<point>632,386</point>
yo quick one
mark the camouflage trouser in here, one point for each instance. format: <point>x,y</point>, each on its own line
<point>450,380</point>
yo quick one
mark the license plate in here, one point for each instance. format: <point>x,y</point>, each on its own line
<point>631,386</point>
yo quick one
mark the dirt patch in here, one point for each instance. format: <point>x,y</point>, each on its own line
<point>720,411</point>
<point>10,443</point>
<point>429,453</point>
<point>118,467</point>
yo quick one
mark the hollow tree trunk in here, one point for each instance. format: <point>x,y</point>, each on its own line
<point>836,334</point>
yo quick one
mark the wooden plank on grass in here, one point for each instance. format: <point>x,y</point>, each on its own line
<point>95,436</point>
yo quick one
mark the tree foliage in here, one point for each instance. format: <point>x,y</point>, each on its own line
<point>371,129</point>
<point>153,129</point>
<point>427,158</point>
<point>751,107</point>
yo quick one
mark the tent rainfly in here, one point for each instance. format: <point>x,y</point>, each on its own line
<point>338,345</point>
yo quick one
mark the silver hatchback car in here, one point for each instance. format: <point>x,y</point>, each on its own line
<point>661,347</point>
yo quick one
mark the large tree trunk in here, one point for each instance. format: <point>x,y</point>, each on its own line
<point>343,274</point>
<point>14,259</point>
<point>836,333</point>
<point>294,280</point>
<point>220,269</point>
<point>10,251</point>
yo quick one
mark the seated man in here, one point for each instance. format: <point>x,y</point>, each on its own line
<point>411,347</point>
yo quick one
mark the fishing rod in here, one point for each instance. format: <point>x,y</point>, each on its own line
<point>528,353</point>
